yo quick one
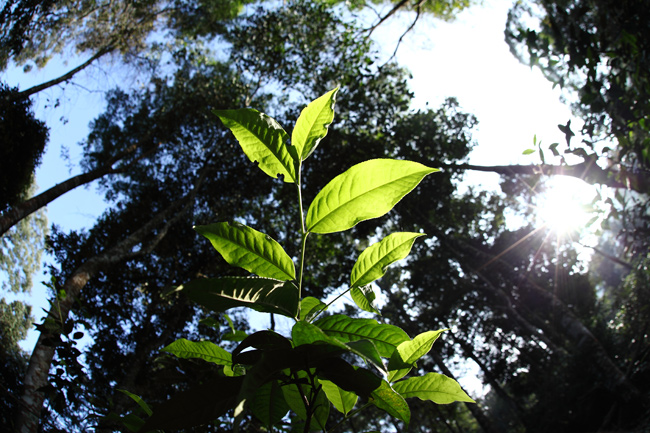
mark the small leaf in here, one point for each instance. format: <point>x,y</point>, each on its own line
<point>261,294</point>
<point>342,400</point>
<point>145,407</point>
<point>234,336</point>
<point>205,350</point>
<point>386,338</point>
<point>387,399</point>
<point>310,307</point>
<point>407,353</point>
<point>553,148</point>
<point>368,350</point>
<point>367,190</point>
<point>411,351</point>
<point>264,340</point>
<point>528,152</point>
<point>365,297</point>
<point>359,381</point>
<point>373,261</point>
<point>436,387</point>
<point>262,139</point>
<point>247,248</point>
<point>312,124</point>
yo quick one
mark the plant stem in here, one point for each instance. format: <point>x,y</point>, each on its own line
<point>348,416</point>
<point>303,232</point>
<point>330,303</point>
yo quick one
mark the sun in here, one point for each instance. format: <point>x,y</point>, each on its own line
<point>564,206</point>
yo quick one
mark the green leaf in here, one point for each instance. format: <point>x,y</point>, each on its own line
<point>294,399</point>
<point>342,400</point>
<point>264,340</point>
<point>357,380</point>
<point>268,404</point>
<point>205,350</point>
<point>367,190</point>
<point>262,139</point>
<point>365,297</point>
<point>234,336</point>
<point>145,407</point>
<point>528,152</point>
<point>247,248</point>
<point>436,387</point>
<point>411,351</point>
<point>386,338</point>
<point>387,399</point>
<point>306,333</point>
<point>312,124</point>
<point>261,294</point>
<point>373,261</point>
<point>310,307</point>
<point>368,350</point>
<point>407,353</point>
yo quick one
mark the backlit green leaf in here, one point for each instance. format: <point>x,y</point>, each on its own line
<point>386,338</point>
<point>312,124</point>
<point>306,333</point>
<point>310,307</point>
<point>374,260</point>
<point>261,294</point>
<point>365,297</point>
<point>411,351</point>
<point>342,400</point>
<point>436,387</point>
<point>294,398</point>
<point>145,407</point>
<point>387,399</point>
<point>205,350</point>
<point>367,190</point>
<point>262,139</point>
<point>247,248</point>
<point>268,404</point>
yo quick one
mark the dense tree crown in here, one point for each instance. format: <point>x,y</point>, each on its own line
<point>560,344</point>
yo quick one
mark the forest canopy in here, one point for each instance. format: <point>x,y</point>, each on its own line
<point>137,336</point>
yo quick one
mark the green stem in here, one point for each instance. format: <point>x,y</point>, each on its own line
<point>330,303</point>
<point>348,416</point>
<point>303,232</point>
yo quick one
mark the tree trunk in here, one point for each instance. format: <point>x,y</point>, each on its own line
<point>11,217</point>
<point>65,77</point>
<point>39,364</point>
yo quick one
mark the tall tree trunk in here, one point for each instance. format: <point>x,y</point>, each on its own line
<point>12,216</point>
<point>39,364</point>
<point>65,77</point>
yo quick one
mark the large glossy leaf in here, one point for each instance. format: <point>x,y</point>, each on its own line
<point>268,404</point>
<point>262,139</point>
<point>386,338</point>
<point>264,340</point>
<point>436,387</point>
<point>367,190</point>
<point>312,124</point>
<point>205,350</point>
<point>247,248</point>
<point>342,400</point>
<point>387,399</point>
<point>365,297</point>
<point>374,260</point>
<point>261,294</point>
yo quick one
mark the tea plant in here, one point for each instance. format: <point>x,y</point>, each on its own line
<point>268,374</point>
